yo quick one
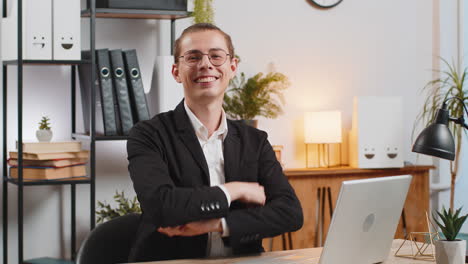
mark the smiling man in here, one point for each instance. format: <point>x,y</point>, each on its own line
<point>208,186</point>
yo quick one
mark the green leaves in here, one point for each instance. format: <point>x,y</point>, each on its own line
<point>44,124</point>
<point>126,206</point>
<point>451,223</point>
<point>450,84</point>
<point>260,95</point>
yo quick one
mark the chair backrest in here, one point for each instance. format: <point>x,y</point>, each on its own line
<point>109,242</point>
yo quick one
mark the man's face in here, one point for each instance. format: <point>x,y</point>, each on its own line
<point>203,81</point>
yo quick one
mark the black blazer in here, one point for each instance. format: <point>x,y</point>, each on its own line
<point>172,183</point>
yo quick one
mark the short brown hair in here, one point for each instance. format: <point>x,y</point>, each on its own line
<point>199,28</point>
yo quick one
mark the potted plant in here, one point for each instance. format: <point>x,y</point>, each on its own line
<point>203,11</point>
<point>260,95</point>
<point>451,250</point>
<point>44,133</point>
<point>451,83</point>
<point>125,206</point>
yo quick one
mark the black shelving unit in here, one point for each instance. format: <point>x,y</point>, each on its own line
<point>92,13</point>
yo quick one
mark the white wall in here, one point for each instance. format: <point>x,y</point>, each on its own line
<point>364,47</point>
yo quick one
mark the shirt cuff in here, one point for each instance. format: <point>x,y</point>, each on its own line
<point>225,228</point>
<point>228,196</point>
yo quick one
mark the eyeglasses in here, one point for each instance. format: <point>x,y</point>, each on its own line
<point>217,57</point>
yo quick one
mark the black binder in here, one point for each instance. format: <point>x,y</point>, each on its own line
<point>84,72</point>
<point>110,115</point>
<point>121,89</point>
<point>135,86</point>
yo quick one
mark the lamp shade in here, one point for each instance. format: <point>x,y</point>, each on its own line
<point>322,127</point>
<point>436,139</point>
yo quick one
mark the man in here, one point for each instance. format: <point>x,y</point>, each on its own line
<point>208,186</point>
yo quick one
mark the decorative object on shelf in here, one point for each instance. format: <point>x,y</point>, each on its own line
<point>125,206</point>
<point>260,95</point>
<point>322,128</point>
<point>325,3</point>
<point>51,30</point>
<point>446,91</point>
<point>414,238</point>
<point>451,250</point>
<point>173,5</point>
<point>203,11</point>
<point>376,136</point>
<point>44,133</point>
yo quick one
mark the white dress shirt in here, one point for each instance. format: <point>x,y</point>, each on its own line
<point>213,150</point>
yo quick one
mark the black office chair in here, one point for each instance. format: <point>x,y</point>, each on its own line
<point>109,242</point>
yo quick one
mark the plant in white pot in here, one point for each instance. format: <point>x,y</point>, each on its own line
<point>451,250</point>
<point>44,133</point>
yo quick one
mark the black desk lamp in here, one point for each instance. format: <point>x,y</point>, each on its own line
<point>436,139</point>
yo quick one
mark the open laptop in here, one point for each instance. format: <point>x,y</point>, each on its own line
<point>365,220</point>
<point>363,225</point>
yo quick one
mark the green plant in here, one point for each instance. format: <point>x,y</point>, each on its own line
<point>451,223</point>
<point>203,11</point>
<point>260,95</point>
<point>125,206</point>
<point>44,124</point>
<point>450,83</point>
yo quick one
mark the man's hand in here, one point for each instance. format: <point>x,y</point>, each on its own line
<point>247,192</point>
<point>193,228</point>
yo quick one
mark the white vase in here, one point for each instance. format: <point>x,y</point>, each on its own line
<point>44,135</point>
<point>450,252</point>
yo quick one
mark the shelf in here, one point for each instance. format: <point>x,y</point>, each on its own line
<point>98,138</point>
<point>136,13</point>
<point>75,180</point>
<point>47,62</point>
<point>48,261</point>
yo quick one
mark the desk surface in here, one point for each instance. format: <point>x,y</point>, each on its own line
<point>299,256</point>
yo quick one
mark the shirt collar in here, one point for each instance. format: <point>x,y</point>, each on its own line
<point>201,130</point>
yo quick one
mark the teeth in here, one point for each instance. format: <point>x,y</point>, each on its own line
<point>206,79</point>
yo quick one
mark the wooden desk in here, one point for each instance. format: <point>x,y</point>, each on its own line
<point>306,182</point>
<point>308,255</point>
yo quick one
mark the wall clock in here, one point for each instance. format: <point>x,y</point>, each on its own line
<point>325,3</point>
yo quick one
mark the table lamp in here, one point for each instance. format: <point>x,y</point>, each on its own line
<point>436,139</point>
<point>322,128</point>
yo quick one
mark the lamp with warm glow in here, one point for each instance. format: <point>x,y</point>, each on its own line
<point>322,128</point>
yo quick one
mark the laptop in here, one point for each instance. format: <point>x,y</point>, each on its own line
<point>365,220</point>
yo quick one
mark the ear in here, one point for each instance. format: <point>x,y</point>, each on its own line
<point>234,64</point>
<point>175,73</point>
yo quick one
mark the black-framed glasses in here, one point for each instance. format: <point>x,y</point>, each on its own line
<point>217,57</point>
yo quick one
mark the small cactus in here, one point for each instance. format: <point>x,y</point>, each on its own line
<point>44,124</point>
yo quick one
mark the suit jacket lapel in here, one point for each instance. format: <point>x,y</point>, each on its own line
<point>187,134</point>
<point>231,151</point>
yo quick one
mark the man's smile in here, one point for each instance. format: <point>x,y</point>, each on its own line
<point>206,79</point>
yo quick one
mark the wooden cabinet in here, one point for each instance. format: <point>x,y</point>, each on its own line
<point>307,182</point>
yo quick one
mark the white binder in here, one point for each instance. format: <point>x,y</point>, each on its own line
<point>37,31</point>
<point>66,29</point>
<point>376,137</point>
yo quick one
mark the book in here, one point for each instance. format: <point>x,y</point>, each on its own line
<point>49,173</point>
<point>39,147</point>
<point>57,163</point>
<point>50,156</point>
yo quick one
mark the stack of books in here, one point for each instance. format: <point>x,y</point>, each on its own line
<point>50,161</point>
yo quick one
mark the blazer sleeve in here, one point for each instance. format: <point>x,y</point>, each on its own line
<point>163,203</point>
<point>282,211</point>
